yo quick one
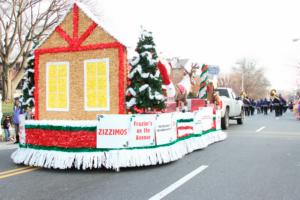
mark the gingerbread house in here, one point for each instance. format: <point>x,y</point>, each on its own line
<point>79,70</point>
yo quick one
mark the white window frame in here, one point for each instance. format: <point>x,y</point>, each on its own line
<point>107,108</point>
<point>68,86</point>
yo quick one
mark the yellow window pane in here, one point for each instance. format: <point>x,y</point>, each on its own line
<point>62,105</point>
<point>51,100</point>
<point>52,88</point>
<point>52,78</point>
<point>101,102</point>
<point>62,96</point>
<point>62,85</point>
<point>101,83</point>
<point>51,104</point>
<point>52,71</point>
<point>91,95</point>
<point>62,100</point>
<point>101,69</point>
<point>62,70</point>
<point>91,85</point>
<point>96,85</point>
<point>102,92</point>
<point>91,100</point>
<point>91,68</point>
<point>57,86</point>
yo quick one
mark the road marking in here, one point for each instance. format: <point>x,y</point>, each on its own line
<point>260,129</point>
<point>178,183</point>
<point>14,172</point>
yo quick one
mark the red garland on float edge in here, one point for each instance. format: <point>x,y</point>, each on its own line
<point>61,138</point>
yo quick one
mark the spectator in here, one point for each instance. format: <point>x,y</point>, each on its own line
<point>28,113</point>
<point>6,124</point>
<point>16,121</point>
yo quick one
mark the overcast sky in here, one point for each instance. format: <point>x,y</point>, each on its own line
<point>215,32</point>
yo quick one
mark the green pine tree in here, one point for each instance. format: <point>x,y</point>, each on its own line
<point>144,91</point>
<point>27,99</point>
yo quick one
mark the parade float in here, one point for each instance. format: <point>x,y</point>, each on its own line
<point>87,103</point>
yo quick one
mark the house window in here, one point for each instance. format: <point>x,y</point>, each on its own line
<point>57,86</point>
<point>96,85</point>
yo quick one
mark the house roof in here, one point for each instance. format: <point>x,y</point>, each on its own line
<point>86,10</point>
<point>96,19</point>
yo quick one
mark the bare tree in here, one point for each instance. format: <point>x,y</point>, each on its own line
<point>227,80</point>
<point>22,23</point>
<point>248,78</point>
<point>251,79</point>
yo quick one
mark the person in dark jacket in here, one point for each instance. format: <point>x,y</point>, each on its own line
<point>6,125</point>
<point>283,104</point>
<point>252,106</point>
<point>276,105</point>
<point>246,106</point>
<point>266,104</point>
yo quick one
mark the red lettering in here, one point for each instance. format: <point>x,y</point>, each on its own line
<point>112,132</point>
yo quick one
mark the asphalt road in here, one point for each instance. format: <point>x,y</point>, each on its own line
<point>259,160</point>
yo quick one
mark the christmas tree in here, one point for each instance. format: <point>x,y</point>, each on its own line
<point>27,99</point>
<point>144,93</point>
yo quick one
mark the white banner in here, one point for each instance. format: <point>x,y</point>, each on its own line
<point>206,117</point>
<point>218,119</point>
<point>22,134</point>
<point>198,122</point>
<point>165,129</point>
<point>113,131</point>
<point>142,130</point>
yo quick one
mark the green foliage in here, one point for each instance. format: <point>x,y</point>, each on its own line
<point>145,79</point>
<point>27,99</point>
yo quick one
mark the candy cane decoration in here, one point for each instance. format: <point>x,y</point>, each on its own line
<point>202,94</point>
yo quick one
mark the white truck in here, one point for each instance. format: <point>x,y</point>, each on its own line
<point>232,107</point>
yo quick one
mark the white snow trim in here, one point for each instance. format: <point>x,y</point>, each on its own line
<point>135,60</point>
<point>131,91</point>
<point>143,87</point>
<point>30,70</point>
<point>148,55</point>
<point>114,159</point>
<point>142,74</point>
<point>131,103</point>
<point>25,85</point>
<point>73,123</point>
<point>28,101</point>
<point>148,46</point>
<point>146,33</point>
<point>157,95</point>
<point>30,92</point>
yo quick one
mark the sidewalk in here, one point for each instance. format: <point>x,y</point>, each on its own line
<point>8,145</point>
